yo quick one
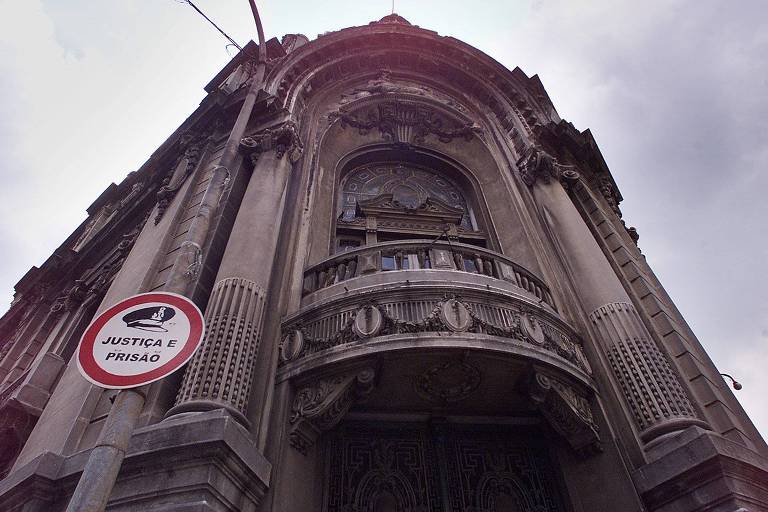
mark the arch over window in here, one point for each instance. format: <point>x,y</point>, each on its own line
<point>388,200</point>
<point>410,185</point>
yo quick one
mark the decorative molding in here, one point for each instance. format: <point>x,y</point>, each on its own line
<point>75,296</point>
<point>321,405</point>
<point>447,383</point>
<point>385,205</point>
<point>385,85</point>
<point>283,139</point>
<point>105,274</point>
<point>567,411</point>
<point>538,165</point>
<point>107,212</point>
<point>221,371</point>
<point>443,467</point>
<point>651,388</point>
<point>609,193</point>
<point>192,148</point>
<point>452,314</point>
<point>404,122</point>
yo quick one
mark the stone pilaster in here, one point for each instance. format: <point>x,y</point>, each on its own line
<point>650,387</point>
<point>221,372</point>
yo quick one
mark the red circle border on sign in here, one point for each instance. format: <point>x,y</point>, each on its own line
<point>96,374</point>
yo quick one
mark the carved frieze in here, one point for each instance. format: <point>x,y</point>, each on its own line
<point>452,314</point>
<point>321,405</point>
<point>284,140</point>
<point>404,122</point>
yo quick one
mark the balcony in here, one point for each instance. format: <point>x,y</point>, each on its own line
<point>423,297</point>
<point>436,260</point>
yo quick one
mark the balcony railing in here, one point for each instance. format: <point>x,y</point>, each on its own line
<point>422,254</point>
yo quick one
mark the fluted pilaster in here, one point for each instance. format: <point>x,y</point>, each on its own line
<point>221,372</point>
<point>652,389</point>
<point>655,398</point>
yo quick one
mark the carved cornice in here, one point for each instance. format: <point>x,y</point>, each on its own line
<point>283,139</point>
<point>321,405</point>
<point>567,411</point>
<point>404,122</point>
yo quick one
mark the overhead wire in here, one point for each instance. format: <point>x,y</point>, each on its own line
<point>232,41</point>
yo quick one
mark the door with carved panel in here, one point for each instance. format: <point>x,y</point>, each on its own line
<point>439,468</point>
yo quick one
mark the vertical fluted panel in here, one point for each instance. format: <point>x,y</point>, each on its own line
<point>652,389</point>
<point>222,369</point>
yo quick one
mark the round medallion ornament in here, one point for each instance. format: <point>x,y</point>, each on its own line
<point>368,322</point>
<point>455,315</point>
<point>447,383</point>
<point>532,329</point>
<point>292,345</point>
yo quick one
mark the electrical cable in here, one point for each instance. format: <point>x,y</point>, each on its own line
<point>234,43</point>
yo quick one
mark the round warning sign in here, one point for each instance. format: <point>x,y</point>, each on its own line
<point>140,340</point>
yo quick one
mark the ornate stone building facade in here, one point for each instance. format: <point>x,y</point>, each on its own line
<point>420,295</point>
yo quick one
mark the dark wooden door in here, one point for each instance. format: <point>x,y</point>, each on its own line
<point>440,468</point>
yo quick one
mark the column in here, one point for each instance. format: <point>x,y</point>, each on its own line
<point>650,387</point>
<point>220,374</point>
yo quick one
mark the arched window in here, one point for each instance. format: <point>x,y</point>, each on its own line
<point>388,201</point>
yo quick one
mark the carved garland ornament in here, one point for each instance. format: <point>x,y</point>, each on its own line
<point>451,315</point>
<point>447,383</point>
<point>404,123</point>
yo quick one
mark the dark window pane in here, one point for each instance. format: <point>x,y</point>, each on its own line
<point>469,265</point>
<point>388,263</point>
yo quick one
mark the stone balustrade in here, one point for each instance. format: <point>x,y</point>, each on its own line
<point>421,255</point>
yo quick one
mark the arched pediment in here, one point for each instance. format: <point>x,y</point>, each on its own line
<point>518,101</point>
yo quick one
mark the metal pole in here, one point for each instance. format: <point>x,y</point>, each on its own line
<point>101,470</point>
<point>103,466</point>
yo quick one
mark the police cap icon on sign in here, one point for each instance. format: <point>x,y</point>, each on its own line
<point>150,319</point>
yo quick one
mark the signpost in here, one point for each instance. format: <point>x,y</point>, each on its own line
<point>103,465</point>
<point>137,341</point>
<point>140,340</point>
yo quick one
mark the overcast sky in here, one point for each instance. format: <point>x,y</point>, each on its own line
<point>675,92</point>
